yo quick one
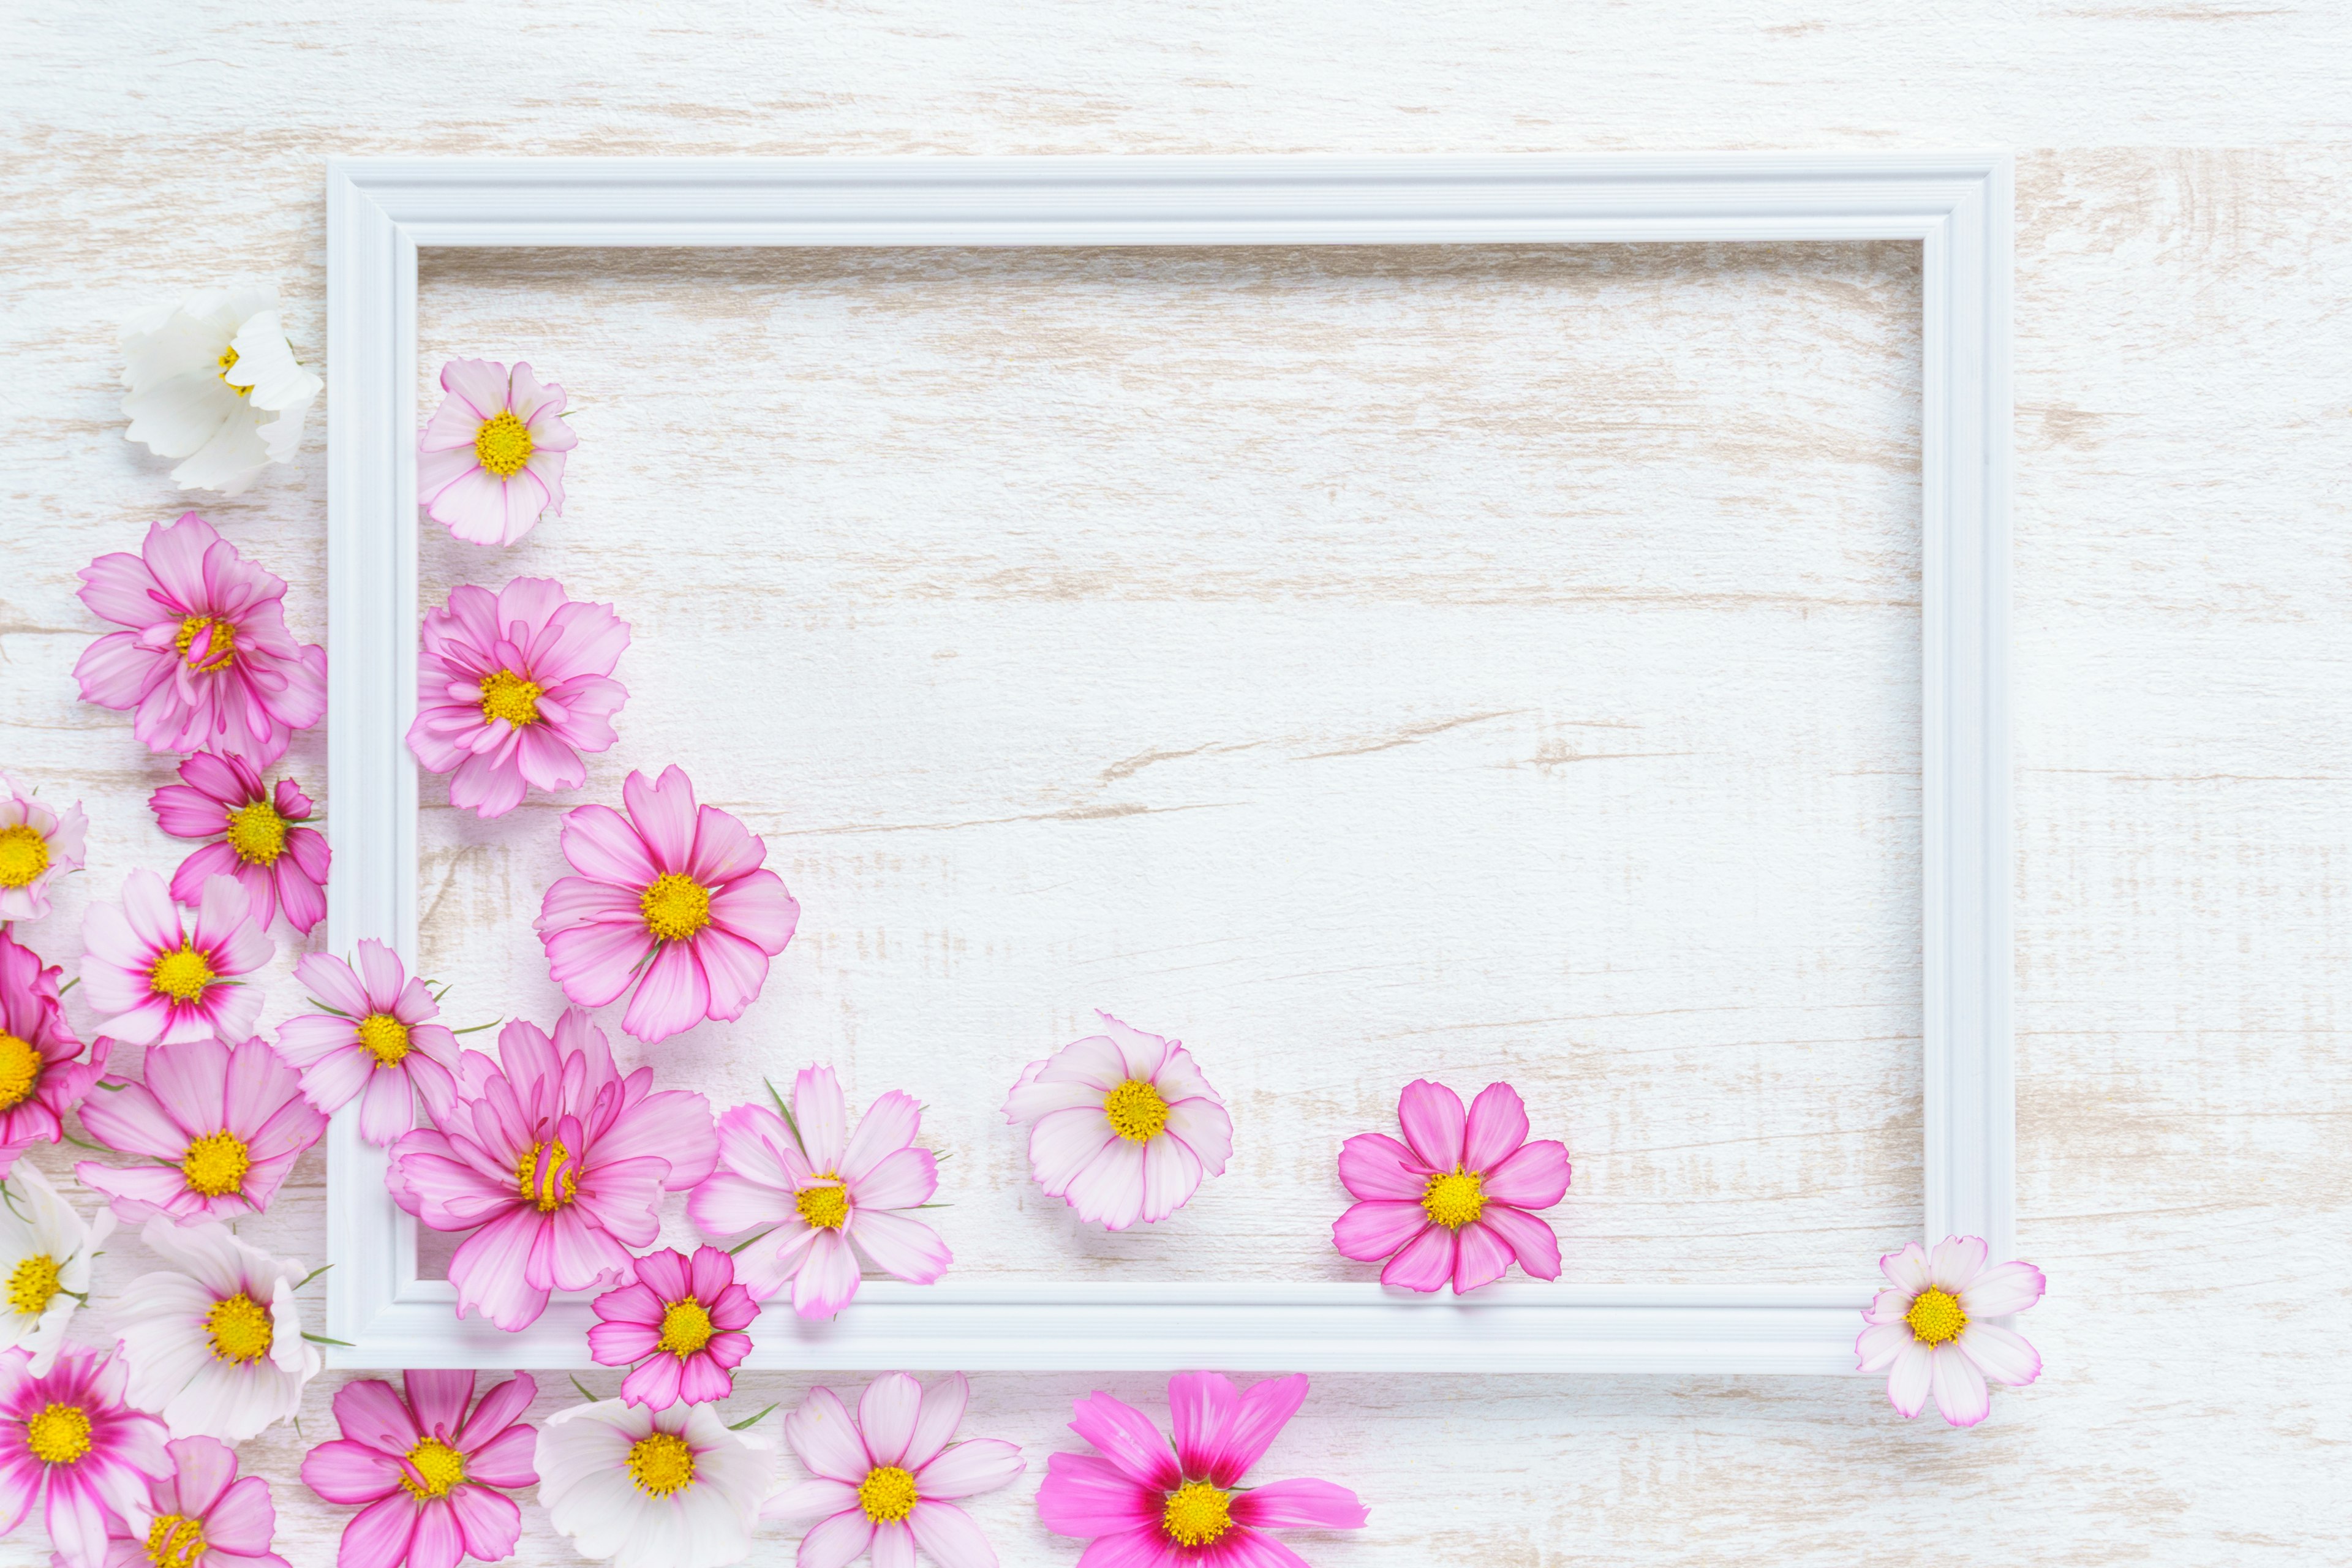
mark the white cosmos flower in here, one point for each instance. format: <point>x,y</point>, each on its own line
<point>216,1346</point>
<point>45,1253</point>
<point>215,381</point>
<point>668,1488</point>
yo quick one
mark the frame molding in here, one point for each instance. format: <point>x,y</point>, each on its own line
<point>380,212</point>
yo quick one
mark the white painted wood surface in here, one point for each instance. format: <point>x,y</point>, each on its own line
<point>2183,383</point>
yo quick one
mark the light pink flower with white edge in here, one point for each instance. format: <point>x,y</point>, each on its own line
<point>208,660</point>
<point>431,1476</point>
<point>376,1042</point>
<point>67,1436</point>
<point>257,839</point>
<point>653,1489</point>
<point>1457,1205</point>
<point>681,1320</point>
<point>215,1343</point>
<point>512,688</point>
<point>157,983</point>
<point>200,1516</point>
<point>817,1194</point>
<point>1930,1333</point>
<point>40,1079</point>
<point>36,846</point>
<point>490,462</point>
<point>1124,1126</point>
<point>670,898</point>
<point>227,1124</point>
<point>888,1479</point>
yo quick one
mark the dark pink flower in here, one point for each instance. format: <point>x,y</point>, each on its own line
<point>378,1037</point>
<point>69,1439</point>
<point>256,839</point>
<point>39,1079</point>
<point>227,1124</point>
<point>1456,1204</point>
<point>157,983</point>
<point>199,1516</point>
<point>425,1470</point>
<point>208,660</point>
<point>682,1321</point>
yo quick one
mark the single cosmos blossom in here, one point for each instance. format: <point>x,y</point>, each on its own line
<point>159,983</point>
<point>40,1076</point>
<point>215,1343</point>
<point>1123,1125</point>
<point>889,1478</point>
<point>680,1322</point>
<point>257,838</point>
<point>213,380</point>
<point>432,1473</point>
<point>651,1488</point>
<point>490,463</point>
<point>378,1043</point>
<point>68,1439</point>
<point>45,1254</point>
<point>227,1124</point>
<point>1929,1333</point>
<point>37,845</point>
<point>201,1515</point>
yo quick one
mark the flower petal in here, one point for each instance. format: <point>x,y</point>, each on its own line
<point>1433,1119</point>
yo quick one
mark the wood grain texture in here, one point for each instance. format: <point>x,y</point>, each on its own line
<point>2184,373</point>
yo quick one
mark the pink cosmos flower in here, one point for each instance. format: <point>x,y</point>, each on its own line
<point>426,1470</point>
<point>227,1124</point>
<point>554,1162</point>
<point>377,1035</point>
<point>1456,1204</point>
<point>670,898</point>
<point>490,463</point>
<point>1929,1333</point>
<point>37,845</point>
<point>39,1079</point>
<point>812,1188</point>
<point>255,836</point>
<point>159,984</point>
<point>682,1323</point>
<point>208,660</point>
<point>201,1515</point>
<point>512,688</point>
<point>1124,1125</point>
<point>1146,1506</point>
<point>70,1436</point>
<point>887,1479</point>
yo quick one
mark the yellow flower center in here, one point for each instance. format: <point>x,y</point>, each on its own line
<point>886,1494</point>
<point>1197,1514</point>
<point>24,855</point>
<point>661,1464</point>
<point>1454,1201</point>
<point>58,1434</point>
<point>546,1177</point>
<point>181,974</point>
<point>1936,1316</point>
<point>675,906</point>
<point>510,697</point>
<point>439,1466</point>
<point>240,1328</point>
<point>174,1540</point>
<point>686,1328</point>
<point>33,1285</point>
<point>216,1163</point>
<point>1136,1110</point>
<point>503,444</point>
<point>256,833</point>
<point>827,1208</point>
<point>227,362</point>
<point>387,1038</point>
<point>20,1070</point>
<point>218,649</point>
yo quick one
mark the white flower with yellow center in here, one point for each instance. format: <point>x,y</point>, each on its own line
<point>45,1253</point>
<point>214,1346</point>
<point>668,1488</point>
<point>213,380</point>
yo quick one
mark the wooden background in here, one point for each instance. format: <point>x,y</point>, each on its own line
<point>1711,435</point>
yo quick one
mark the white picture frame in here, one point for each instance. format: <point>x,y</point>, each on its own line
<point>382,213</point>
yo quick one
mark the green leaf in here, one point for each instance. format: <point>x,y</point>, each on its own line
<point>583,1389</point>
<point>479,1027</point>
<point>323,1339</point>
<point>312,1275</point>
<point>747,1240</point>
<point>786,1112</point>
<point>752,1421</point>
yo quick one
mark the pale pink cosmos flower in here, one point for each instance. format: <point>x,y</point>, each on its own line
<point>1124,1125</point>
<point>36,846</point>
<point>40,1079</point>
<point>512,688</point>
<point>257,839</point>
<point>1930,1333</point>
<point>817,1194</point>
<point>1456,1205</point>
<point>433,1477</point>
<point>555,1162</point>
<point>227,1124</point>
<point>888,1479</point>
<point>490,462</point>
<point>68,1437</point>
<point>377,1041</point>
<point>201,1515</point>
<point>681,1320</point>
<point>160,985</point>
<point>670,898</point>
<point>1143,1505</point>
<point>208,660</point>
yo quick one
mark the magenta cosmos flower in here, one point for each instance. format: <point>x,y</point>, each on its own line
<point>376,1042</point>
<point>817,1194</point>
<point>1145,1506</point>
<point>555,1162</point>
<point>208,660</point>
<point>490,463</point>
<point>1456,1204</point>
<point>159,984</point>
<point>512,688</point>
<point>1929,1333</point>
<point>1124,1125</point>
<point>681,1320</point>
<point>888,1479</point>
<point>37,846</point>
<point>69,1438</point>
<point>199,1516</point>
<point>257,838</point>
<point>670,898</point>
<point>40,1079</point>
<point>433,1478</point>
<point>227,1124</point>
